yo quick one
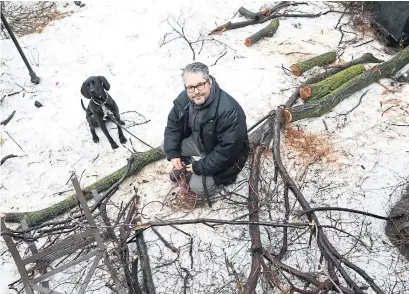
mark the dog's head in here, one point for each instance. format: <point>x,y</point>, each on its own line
<point>94,87</point>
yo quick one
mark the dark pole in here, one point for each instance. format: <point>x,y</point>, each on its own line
<point>34,78</point>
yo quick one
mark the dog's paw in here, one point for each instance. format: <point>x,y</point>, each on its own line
<point>114,145</point>
<point>122,122</point>
<point>123,140</point>
<point>95,139</point>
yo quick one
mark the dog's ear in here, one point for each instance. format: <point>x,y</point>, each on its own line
<point>84,91</point>
<point>105,83</point>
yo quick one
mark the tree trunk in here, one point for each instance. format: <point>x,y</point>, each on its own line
<point>268,31</point>
<point>313,92</point>
<point>327,103</point>
<point>320,60</point>
<point>38,217</point>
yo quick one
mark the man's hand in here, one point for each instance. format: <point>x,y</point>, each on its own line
<point>177,163</point>
<point>189,168</point>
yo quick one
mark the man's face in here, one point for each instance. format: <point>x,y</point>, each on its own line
<point>197,87</point>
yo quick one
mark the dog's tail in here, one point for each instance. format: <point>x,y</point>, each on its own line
<point>83,107</point>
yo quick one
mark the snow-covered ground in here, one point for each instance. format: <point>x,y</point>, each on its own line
<point>122,41</point>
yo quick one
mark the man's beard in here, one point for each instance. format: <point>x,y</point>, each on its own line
<point>200,99</point>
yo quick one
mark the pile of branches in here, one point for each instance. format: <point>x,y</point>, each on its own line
<point>29,17</point>
<point>117,242</point>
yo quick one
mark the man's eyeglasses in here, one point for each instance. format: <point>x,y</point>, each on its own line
<point>200,87</point>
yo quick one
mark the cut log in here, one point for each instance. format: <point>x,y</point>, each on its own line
<point>38,217</point>
<point>365,58</point>
<point>251,15</point>
<point>231,26</point>
<point>268,31</point>
<point>313,92</point>
<point>320,60</point>
<point>315,109</point>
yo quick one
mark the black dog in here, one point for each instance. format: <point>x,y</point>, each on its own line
<point>101,103</point>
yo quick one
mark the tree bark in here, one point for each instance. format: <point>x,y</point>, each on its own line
<point>313,92</point>
<point>256,20</point>
<point>251,15</point>
<point>268,31</point>
<point>37,217</point>
<point>253,207</point>
<point>365,58</point>
<point>320,60</point>
<point>328,102</point>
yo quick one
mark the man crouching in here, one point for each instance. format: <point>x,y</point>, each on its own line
<point>207,124</point>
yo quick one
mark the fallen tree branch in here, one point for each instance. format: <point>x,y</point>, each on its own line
<point>320,60</point>
<point>296,15</point>
<point>253,207</point>
<point>313,92</point>
<point>365,58</point>
<point>7,120</point>
<point>145,263</point>
<point>166,243</point>
<point>301,213</point>
<point>307,277</point>
<point>325,104</point>
<point>331,255</point>
<point>231,26</point>
<point>38,217</point>
<point>268,31</point>
<point>255,16</point>
<point>3,160</point>
<point>162,223</point>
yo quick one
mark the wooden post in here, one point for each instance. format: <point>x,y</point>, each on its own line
<point>41,265</point>
<point>94,229</point>
<point>17,258</point>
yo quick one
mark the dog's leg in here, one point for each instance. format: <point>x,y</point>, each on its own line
<point>103,127</point>
<point>92,124</point>
<point>94,135</point>
<point>122,138</point>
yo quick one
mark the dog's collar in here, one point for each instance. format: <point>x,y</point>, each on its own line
<point>105,110</point>
<point>100,104</point>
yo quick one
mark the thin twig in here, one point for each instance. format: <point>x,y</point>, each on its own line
<point>14,141</point>
<point>225,52</point>
<point>166,243</point>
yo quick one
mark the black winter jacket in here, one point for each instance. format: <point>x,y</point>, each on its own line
<point>223,132</point>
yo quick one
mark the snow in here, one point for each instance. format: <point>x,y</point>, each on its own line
<point>122,42</point>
